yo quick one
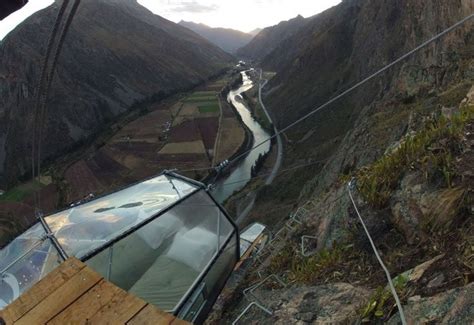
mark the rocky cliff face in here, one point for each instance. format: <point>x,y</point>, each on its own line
<point>407,139</point>
<point>227,39</point>
<point>117,53</point>
<point>269,38</point>
<point>351,41</point>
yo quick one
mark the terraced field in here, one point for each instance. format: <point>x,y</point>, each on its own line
<point>182,135</point>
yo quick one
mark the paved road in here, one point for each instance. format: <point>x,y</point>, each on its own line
<point>277,165</point>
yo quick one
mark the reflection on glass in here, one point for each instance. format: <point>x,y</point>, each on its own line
<point>28,270</point>
<point>86,227</point>
<point>162,260</point>
<point>21,245</point>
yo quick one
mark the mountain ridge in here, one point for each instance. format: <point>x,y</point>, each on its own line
<point>226,38</point>
<point>268,38</point>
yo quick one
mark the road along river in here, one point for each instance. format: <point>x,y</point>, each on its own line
<point>243,169</point>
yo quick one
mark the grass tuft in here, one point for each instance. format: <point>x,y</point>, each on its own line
<point>381,302</point>
<point>431,150</point>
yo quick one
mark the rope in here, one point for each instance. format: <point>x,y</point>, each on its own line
<point>330,118</point>
<point>389,278</point>
<point>50,79</point>
<point>314,162</point>
<point>357,85</point>
<point>41,89</point>
<point>45,86</point>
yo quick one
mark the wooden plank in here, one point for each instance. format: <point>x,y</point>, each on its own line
<point>41,290</point>
<point>119,310</point>
<point>150,315</point>
<point>61,298</point>
<point>87,305</point>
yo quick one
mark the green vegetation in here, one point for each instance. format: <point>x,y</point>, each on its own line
<point>21,191</point>
<point>380,303</point>
<point>453,96</point>
<point>262,118</point>
<point>204,93</point>
<point>210,107</point>
<point>325,264</point>
<point>307,270</point>
<point>198,99</point>
<point>430,150</point>
<point>201,96</point>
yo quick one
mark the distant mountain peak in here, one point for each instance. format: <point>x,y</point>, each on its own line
<point>255,31</point>
<point>226,38</point>
<point>267,39</point>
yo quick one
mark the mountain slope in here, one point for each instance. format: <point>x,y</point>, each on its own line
<point>117,53</point>
<point>338,47</point>
<point>269,38</point>
<point>227,39</point>
<point>255,31</point>
<point>405,136</point>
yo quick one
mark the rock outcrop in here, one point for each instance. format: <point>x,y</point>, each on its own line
<point>450,307</point>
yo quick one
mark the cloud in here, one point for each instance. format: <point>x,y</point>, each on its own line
<point>193,7</point>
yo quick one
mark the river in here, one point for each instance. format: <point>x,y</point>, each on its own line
<point>243,169</point>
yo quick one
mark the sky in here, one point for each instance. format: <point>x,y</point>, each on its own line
<point>244,15</point>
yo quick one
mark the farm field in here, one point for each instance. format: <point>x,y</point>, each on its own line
<point>21,192</point>
<point>180,135</point>
<point>81,181</point>
<point>231,138</point>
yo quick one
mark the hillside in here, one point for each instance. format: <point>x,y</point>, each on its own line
<point>268,38</point>
<point>117,54</point>
<point>406,137</point>
<point>255,31</point>
<point>227,39</point>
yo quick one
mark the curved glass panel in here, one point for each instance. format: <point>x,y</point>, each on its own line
<point>21,245</point>
<point>26,270</point>
<point>162,261</point>
<point>83,228</point>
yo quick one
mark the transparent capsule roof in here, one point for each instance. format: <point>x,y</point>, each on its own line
<point>88,226</point>
<point>83,228</point>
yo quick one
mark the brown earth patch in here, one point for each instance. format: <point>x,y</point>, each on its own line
<point>176,148</point>
<point>141,150</point>
<point>185,132</point>
<point>148,127</point>
<point>208,128</point>
<point>107,170</point>
<point>49,197</point>
<point>231,138</point>
<point>81,181</point>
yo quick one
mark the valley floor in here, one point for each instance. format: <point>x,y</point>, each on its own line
<point>193,132</point>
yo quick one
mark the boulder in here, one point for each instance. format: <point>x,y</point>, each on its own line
<point>416,205</point>
<point>454,306</point>
<point>329,304</point>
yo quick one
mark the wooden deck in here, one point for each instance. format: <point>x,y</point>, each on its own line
<point>75,294</point>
